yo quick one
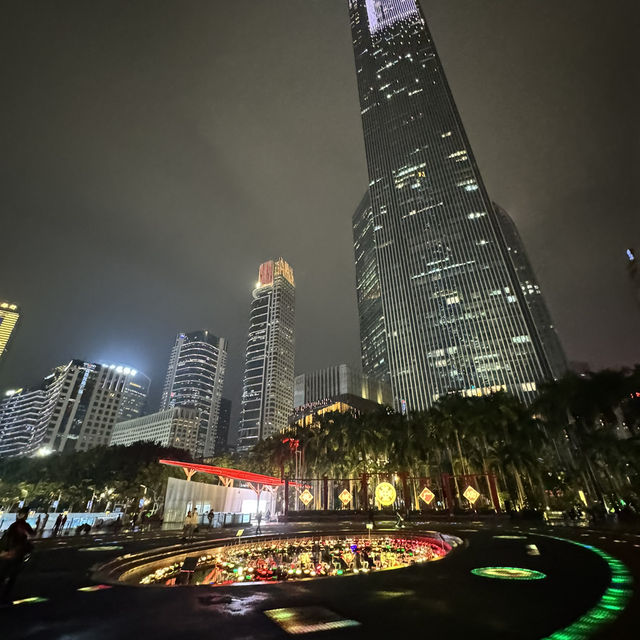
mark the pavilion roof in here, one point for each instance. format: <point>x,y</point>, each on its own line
<point>223,472</point>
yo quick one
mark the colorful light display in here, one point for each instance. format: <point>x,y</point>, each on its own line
<point>508,573</point>
<point>385,494</point>
<point>301,559</point>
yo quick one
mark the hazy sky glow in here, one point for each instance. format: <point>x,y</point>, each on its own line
<point>155,153</point>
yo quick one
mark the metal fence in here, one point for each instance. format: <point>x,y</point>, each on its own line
<point>393,492</point>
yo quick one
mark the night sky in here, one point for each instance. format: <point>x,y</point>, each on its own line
<point>154,153</point>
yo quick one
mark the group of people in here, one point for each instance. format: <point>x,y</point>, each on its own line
<point>190,525</point>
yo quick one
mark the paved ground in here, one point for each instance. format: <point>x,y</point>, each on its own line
<point>440,600</point>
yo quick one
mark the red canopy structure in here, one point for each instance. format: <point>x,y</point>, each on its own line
<point>256,481</point>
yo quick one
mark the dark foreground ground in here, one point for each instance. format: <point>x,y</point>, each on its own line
<point>436,600</point>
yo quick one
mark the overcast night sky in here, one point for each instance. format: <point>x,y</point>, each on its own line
<point>155,152</point>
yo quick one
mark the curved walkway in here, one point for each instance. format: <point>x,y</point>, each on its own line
<point>442,599</point>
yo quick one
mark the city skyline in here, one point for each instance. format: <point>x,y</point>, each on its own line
<point>554,227</point>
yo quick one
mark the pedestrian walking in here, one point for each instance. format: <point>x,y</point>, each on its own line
<point>186,529</point>
<point>57,524</point>
<point>194,523</point>
<point>210,517</point>
<point>15,545</point>
<point>259,520</point>
<point>63,522</point>
<point>44,522</point>
<point>37,527</point>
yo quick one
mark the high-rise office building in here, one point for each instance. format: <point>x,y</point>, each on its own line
<point>634,271</point>
<point>224,422</point>
<point>74,409</point>
<point>532,293</point>
<point>195,378</point>
<point>134,396</point>
<point>339,380</point>
<point>25,416</point>
<point>441,308</point>
<point>176,427</point>
<point>88,404</point>
<point>267,395</point>
<point>9,316</point>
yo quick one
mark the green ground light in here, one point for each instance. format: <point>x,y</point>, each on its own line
<point>610,606</point>
<point>508,573</point>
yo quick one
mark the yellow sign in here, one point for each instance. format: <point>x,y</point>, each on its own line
<point>306,497</point>
<point>385,494</point>
<point>471,494</point>
<point>427,495</point>
<point>345,497</point>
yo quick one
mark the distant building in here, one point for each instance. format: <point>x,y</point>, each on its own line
<point>309,413</point>
<point>195,378</point>
<point>74,409</point>
<point>25,415</point>
<point>175,427</point>
<point>267,395</point>
<point>88,405</point>
<point>134,397</point>
<point>224,421</point>
<point>338,381</point>
<point>532,294</point>
<point>9,316</point>
<point>634,271</point>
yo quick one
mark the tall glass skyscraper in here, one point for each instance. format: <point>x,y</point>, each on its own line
<point>195,378</point>
<point>441,309</point>
<point>532,293</point>
<point>267,395</point>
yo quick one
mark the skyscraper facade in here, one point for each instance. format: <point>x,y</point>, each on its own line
<point>532,294</point>
<point>339,380</point>
<point>177,427</point>
<point>224,422</point>
<point>87,405</point>
<point>440,306</point>
<point>195,378</point>
<point>134,396</point>
<point>267,395</point>
<point>9,316</point>
<point>25,416</point>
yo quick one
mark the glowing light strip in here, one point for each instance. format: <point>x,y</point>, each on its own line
<point>609,607</point>
<point>31,600</point>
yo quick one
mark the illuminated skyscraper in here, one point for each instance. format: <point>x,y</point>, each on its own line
<point>25,416</point>
<point>267,395</point>
<point>9,316</point>
<point>532,293</point>
<point>195,378</point>
<point>74,409</point>
<point>441,309</point>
